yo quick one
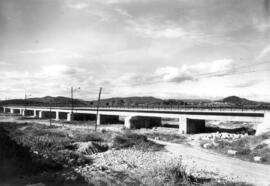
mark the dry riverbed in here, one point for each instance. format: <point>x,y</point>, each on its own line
<point>81,156</point>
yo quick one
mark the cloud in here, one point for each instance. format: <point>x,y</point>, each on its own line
<point>172,74</point>
<point>38,51</point>
<point>167,30</point>
<point>3,63</point>
<point>154,31</point>
<point>52,52</point>
<point>245,84</point>
<point>194,72</point>
<point>79,5</point>
<point>263,53</point>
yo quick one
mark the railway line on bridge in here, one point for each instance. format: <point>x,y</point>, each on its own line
<point>191,120</point>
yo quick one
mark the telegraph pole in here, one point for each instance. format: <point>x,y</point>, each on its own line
<point>50,113</point>
<point>25,97</point>
<point>72,106</point>
<point>100,89</point>
<point>25,101</point>
<point>72,99</point>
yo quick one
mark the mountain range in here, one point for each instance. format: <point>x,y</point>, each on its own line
<point>132,101</point>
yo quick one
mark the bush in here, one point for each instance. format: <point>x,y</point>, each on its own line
<point>88,137</point>
<point>175,138</point>
<point>139,142</point>
<point>244,151</point>
<point>44,143</point>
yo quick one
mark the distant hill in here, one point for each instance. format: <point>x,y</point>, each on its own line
<point>234,100</point>
<point>118,101</point>
<point>137,101</point>
<point>133,102</point>
<point>45,101</point>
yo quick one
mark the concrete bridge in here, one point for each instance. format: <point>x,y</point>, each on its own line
<point>190,120</point>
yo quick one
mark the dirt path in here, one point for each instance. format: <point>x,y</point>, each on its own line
<point>199,160</point>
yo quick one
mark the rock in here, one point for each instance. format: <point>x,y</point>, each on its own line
<point>207,145</point>
<point>73,178</point>
<point>65,165</point>
<point>225,136</point>
<point>257,158</point>
<point>232,152</point>
<point>215,144</point>
<point>71,161</point>
<point>70,135</point>
<point>35,152</point>
<point>237,136</point>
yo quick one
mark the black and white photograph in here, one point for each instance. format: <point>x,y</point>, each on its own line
<point>134,92</point>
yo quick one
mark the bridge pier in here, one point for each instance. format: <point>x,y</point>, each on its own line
<point>5,109</point>
<point>24,112</point>
<point>127,123</point>
<point>69,117</point>
<point>182,125</point>
<point>191,126</point>
<point>265,125</point>
<point>57,116</point>
<point>40,114</point>
<point>137,122</point>
<point>35,113</point>
<point>12,111</point>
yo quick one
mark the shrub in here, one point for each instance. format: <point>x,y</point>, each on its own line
<point>260,146</point>
<point>244,151</point>
<point>165,173</point>
<point>139,142</point>
<point>88,137</point>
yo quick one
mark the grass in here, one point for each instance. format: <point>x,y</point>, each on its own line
<point>247,148</point>
<point>173,173</point>
<point>49,142</point>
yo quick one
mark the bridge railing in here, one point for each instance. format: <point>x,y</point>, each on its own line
<point>155,107</point>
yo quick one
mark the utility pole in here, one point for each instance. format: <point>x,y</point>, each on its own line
<point>25,103</point>
<point>25,97</point>
<point>50,113</point>
<point>72,106</point>
<point>100,89</point>
<point>72,99</point>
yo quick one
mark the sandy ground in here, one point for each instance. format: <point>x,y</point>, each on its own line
<point>220,166</point>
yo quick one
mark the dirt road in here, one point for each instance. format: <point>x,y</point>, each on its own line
<point>215,165</point>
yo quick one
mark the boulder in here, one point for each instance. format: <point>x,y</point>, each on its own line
<point>232,152</point>
<point>257,158</point>
<point>207,145</point>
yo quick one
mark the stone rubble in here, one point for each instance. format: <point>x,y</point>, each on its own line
<point>232,152</point>
<point>257,158</point>
<point>219,136</point>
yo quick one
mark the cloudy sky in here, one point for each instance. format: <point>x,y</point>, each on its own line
<point>163,48</point>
